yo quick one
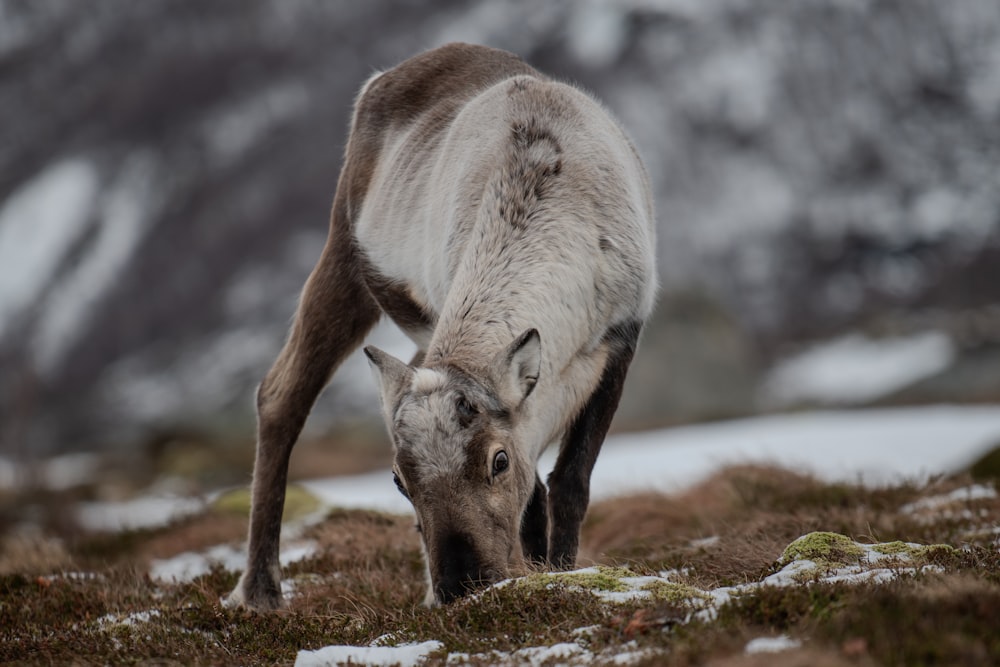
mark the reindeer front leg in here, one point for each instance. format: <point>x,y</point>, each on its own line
<point>335,313</point>
<point>569,481</point>
<point>534,526</point>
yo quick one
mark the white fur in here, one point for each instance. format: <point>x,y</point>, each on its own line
<point>426,380</point>
<point>431,223</point>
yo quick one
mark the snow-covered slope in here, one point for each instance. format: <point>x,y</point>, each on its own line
<point>873,446</point>
<point>166,176</point>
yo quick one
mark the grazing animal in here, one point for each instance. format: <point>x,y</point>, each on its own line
<point>504,221</point>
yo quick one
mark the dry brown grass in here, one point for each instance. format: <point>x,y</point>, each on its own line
<point>366,581</point>
<point>33,553</point>
<point>196,534</point>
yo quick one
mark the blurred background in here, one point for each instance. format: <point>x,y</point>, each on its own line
<point>826,173</point>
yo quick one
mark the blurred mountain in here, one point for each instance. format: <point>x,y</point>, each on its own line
<point>167,168</point>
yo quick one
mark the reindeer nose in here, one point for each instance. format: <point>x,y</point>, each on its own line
<point>448,593</point>
<point>451,590</point>
<point>459,569</point>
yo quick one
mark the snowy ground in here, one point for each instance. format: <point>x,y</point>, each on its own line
<point>803,560</point>
<point>872,446</point>
<point>853,369</point>
<point>875,447</point>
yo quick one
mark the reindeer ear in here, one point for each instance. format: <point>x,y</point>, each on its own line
<point>392,376</point>
<point>515,370</point>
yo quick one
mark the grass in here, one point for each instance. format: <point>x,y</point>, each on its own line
<point>77,598</point>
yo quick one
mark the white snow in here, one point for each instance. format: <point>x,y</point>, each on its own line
<point>771,644</point>
<point>128,620</point>
<point>123,213</point>
<point>870,446</point>
<point>873,567</point>
<point>58,473</point>
<point>237,128</point>
<point>854,369</point>
<point>537,655</point>
<point>873,446</point>
<point>142,512</point>
<point>597,33</point>
<point>404,655</point>
<point>372,490</point>
<point>984,86</point>
<point>39,223</point>
<point>189,565</point>
<point>704,542</point>
<point>964,495</point>
<point>566,653</point>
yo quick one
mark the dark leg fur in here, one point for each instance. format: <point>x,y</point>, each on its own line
<point>534,526</point>
<point>335,313</point>
<point>569,482</point>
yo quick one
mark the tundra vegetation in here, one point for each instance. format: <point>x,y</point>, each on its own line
<point>844,574</point>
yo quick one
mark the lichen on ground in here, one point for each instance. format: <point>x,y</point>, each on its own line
<point>668,591</point>
<point>599,578</point>
<point>827,550</point>
<point>914,553</point>
<point>299,502</point>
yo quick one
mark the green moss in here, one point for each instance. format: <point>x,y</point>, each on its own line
<point>604,579</point>
<point>916,553</point>
<point>823,548</point>
<point>894,548</point>
<point>668,591</point>
<point>298,503</point>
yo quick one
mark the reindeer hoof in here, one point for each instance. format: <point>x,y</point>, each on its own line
<point>254,598</point>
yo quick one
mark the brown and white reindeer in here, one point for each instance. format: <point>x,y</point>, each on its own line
<point>503,220</point>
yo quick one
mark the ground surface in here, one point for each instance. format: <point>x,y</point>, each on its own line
<point>93,599</point>
<point>752,565</point>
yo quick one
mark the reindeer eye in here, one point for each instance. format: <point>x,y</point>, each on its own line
<point>399,485</point>
<point>500,462</point>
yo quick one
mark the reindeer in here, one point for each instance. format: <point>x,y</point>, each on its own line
<point>503,221</point>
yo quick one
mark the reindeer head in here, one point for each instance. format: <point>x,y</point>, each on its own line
<point>458,462</point>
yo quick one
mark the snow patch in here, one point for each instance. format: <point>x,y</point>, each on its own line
<point>189,565</point>
<point>539,655</point>
<point>874,447</point>
<point>202,377</point>
<point>143,512</point>
<point>128,620</point>
<point>58,473</point>
<point>368,491</point>
<point>875,563</point>
<point>964,495</point>
<point>122,217</point>
<point>771,644</point>
<point>870,446</point>
<point>236,129</point>
<point>566,653</point>
<point>597,33</point>
<point>703,542</point>
<point>39,223</point>
<point>984,85</point>
<point>404,655</point>
<point>855,369</point>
